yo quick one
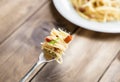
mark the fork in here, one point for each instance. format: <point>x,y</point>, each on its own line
<point>41,60</point>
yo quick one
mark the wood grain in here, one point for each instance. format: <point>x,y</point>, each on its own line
<point>86,59</point>
<point>21,50</point>
<point>113,73</point>
<point>25,23</point>
<point>14,13</point>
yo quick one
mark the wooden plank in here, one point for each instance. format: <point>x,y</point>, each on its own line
<point>14,13</point>
<point>86,59</point>
<point>113,73</point>
<point>21,50</point>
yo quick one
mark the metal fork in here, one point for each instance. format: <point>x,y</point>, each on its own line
<point>41,60</point>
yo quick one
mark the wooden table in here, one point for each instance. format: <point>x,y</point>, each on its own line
<point>91,56</point>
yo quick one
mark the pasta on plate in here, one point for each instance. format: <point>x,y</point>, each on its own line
<point>98,10</point>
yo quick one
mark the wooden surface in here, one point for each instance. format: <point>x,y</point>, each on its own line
<point>91,56</point>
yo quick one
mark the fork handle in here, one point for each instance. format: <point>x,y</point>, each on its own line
<point>30,72</point>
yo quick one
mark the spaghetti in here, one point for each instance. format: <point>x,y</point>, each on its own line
<point>55,44</point>
<point>98,10</point>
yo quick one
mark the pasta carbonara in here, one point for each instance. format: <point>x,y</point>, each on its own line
<point>55,44</point>
<point>98,10</point>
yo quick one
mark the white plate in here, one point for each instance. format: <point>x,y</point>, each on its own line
<point>66,9</point>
